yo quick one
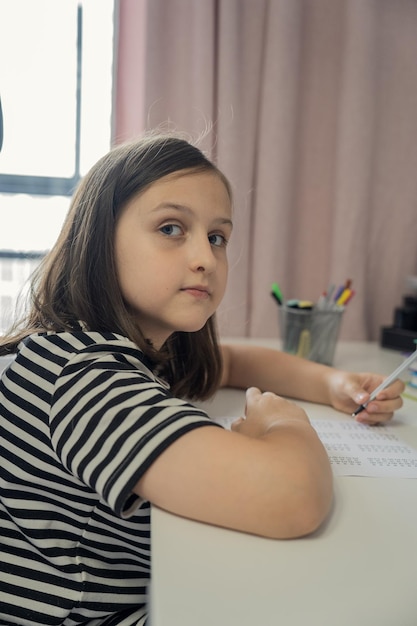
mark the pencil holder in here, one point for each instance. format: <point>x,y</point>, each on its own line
<point>311,334</point>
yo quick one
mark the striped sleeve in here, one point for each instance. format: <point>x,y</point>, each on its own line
<point>109,421</point>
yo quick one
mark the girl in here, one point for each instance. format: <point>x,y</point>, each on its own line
<point>96,420</point>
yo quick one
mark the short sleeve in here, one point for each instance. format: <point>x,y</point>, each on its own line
<point>110,419</point>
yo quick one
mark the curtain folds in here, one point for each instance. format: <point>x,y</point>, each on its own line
<point>309,107</point>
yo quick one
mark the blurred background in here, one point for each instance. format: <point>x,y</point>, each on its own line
<point>308,106</point>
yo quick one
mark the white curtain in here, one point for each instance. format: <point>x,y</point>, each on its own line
<point>313,112</point>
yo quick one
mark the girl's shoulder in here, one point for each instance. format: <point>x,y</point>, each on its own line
<point>78,341</point>
<point>70,347</point>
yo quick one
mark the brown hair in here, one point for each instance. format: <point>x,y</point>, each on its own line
<point>77,279</point>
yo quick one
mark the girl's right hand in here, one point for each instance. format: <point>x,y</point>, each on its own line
<point>263,411</point>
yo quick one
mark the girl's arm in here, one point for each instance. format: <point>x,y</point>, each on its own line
<point>294,377</point>
<point>271,476</point>
<point>273,370</point>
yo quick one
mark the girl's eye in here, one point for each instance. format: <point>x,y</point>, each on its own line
<point>171,230</point>
<point>217,240</point>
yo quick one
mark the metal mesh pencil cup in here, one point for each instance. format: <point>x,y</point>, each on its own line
<point>311,334</point>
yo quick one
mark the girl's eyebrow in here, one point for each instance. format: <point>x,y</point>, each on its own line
<point>185,209</point>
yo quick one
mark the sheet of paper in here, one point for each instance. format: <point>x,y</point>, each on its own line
<point>358,450</point>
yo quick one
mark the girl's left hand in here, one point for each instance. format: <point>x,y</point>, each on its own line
<point>348,390</point>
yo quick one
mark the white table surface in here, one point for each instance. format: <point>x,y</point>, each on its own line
<point>359,569</point>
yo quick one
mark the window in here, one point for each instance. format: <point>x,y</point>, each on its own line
<point>56,95</point>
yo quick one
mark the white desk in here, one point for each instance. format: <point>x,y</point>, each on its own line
<point>360,569</point>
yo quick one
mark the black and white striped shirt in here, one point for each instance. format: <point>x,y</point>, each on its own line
<point>81,419</point>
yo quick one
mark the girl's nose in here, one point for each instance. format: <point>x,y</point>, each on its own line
<point>203,258</point>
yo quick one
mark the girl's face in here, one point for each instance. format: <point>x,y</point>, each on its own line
<point>170,251</point>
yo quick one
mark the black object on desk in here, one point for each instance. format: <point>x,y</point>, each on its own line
<point>403,334</point>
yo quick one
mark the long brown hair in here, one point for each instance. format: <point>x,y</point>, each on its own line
<point>77,279</point>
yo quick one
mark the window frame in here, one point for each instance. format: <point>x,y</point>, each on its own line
<point>52,185</point>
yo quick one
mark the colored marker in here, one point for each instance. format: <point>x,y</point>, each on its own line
<point>304,341</point>
<point>330,291</point>
<point>344,296</point>
<point>305,304</point>
<point>341,289</point>
<point>352,293</point>
<point>338,293</point>
<point>300,304</point>
<point>277,293</point>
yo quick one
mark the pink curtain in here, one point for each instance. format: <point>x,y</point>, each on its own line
<point>310,108</point>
